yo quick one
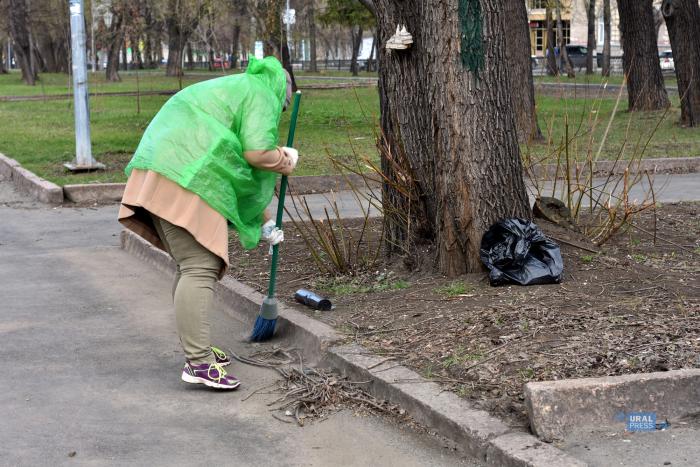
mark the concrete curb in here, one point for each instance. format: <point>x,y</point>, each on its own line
<point>473,432</point>
<point>94,192</point>
<point>30,183</point>
<point>559,408</point>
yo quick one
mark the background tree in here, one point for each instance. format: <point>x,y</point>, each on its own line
<point>551,55</point>
<point>181,18</point>
<point>19,32</point>
<point>4,38</point>
<point>269,15</point>
<point>50,28</point>
<point>561,43</point>
<point>353,15</point>
<point>607,30</point>
<point>640,60</point>
<point>520,70</point>
<point>683,23</point>
<point>115,38</point>
<point>311,22</point>
<point>240,11</point>
<point>590,43</point>
<point>446,110</point>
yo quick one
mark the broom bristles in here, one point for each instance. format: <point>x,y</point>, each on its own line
<point>263,330</point>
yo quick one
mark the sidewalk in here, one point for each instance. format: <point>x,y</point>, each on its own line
<point>669,189</point>
<point>93,362</point>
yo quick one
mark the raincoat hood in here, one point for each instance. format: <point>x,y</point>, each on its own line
<point>270,71</point>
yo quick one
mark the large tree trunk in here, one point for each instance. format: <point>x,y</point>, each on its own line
<point>562,45</point>
<point>114,46</point>
<point>522,86</point>
<point>551,56</point>
<point>452,121</point>
<point>19,32</point>
<point>356,37</point>
<point>606,40</point>
<point>590,43</point>
<point>640,61</point>
<point>313,67</point>
<point>683,24</point>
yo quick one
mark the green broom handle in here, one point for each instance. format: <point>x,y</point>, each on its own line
<point>283,190</point>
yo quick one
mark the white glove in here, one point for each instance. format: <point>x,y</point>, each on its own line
<point>293,155</point>
<point>271,233</point>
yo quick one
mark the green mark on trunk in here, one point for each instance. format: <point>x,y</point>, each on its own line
<point>471,26</point>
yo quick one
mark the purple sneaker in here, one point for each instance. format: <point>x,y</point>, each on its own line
<point>209,374</point>
<point>221,357</point>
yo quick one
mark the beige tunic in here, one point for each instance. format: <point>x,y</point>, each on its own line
<point>149,192</point>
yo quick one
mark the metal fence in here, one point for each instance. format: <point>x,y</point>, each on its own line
<point>539,65</point>
<point>302,65</point>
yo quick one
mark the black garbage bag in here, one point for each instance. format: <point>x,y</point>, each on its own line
<point>516,251</point>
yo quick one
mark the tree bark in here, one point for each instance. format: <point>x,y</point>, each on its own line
<point>606,40</point>
<point>522,85</point>
<point>658,21</point>
<point>590,43</point>
<point>683,23</point>
<point>552,65</point>
<point>19,32</point>
<point>562,45</point>
<point>640,61</point>
<point>453,127</point>
<point>313,66</point>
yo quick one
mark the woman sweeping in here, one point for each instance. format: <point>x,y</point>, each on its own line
<point>209,159</point>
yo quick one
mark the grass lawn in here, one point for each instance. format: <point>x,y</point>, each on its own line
<point>341,122</point>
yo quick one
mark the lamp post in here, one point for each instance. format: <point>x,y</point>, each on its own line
<point>83,150</point>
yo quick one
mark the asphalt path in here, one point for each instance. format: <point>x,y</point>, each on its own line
<point>92,364</point>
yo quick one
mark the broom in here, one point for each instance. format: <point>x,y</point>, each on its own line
<point>267,319</point>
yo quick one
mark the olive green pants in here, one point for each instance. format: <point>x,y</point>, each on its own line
<point>193,289</point>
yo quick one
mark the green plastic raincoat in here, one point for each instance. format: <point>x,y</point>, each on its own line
<point>198,138</point>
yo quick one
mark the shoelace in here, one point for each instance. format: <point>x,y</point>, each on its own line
<point>218,368</point>
<point>218,353</point>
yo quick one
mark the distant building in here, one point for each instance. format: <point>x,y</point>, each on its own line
<point>575,25</point>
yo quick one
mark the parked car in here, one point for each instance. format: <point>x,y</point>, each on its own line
<point>220,63</point>
<point>666,60</point>
<point>577,54</point>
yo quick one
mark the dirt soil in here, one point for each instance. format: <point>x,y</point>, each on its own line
<point>633,308</point>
